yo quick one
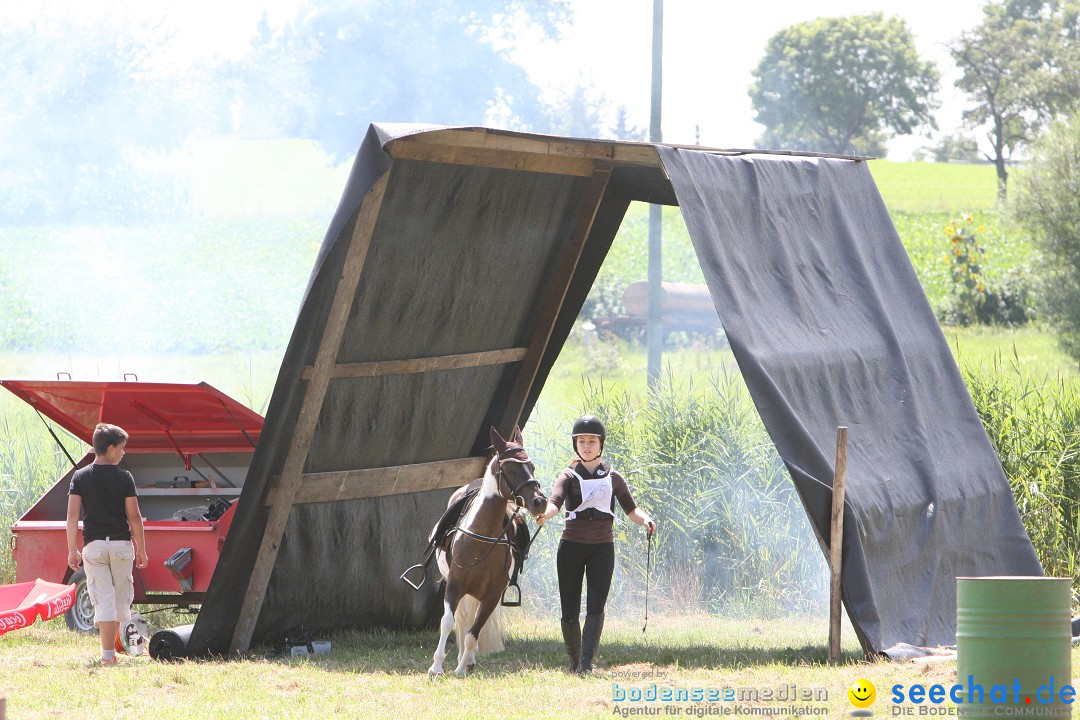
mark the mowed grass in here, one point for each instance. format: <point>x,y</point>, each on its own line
<point>50,672</point>
<point>940,187</point>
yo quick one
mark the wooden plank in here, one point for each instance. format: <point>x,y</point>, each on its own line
<point>621,152</point>
<point>309,414</point>
<point>380,368</point>
<point>380,482</point>
<point>553,303</point>
<point>836,544</point>
<point>408,149</point>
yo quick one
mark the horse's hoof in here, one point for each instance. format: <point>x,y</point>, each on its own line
<point>434,672</point>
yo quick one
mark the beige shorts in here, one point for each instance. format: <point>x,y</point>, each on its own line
<point>108,579</point>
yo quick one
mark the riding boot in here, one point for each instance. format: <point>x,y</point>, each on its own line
<point>571,635</point>
<point>590,639</point>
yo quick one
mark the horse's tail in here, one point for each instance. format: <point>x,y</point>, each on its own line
<point>491,635</point>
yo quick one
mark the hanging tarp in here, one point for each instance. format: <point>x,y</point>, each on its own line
<point>448,281</point>
<point>831,327</point>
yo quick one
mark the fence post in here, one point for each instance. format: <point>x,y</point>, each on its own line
<point>836,544</point>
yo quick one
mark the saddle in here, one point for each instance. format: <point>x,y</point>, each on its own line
<point>517,536</point>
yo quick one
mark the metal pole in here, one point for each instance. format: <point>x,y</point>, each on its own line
<point>836,544</point>
<point>654,329</point>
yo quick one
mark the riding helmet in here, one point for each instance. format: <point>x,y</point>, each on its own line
<point>588,425</point>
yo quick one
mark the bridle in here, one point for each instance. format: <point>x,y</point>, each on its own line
<point>515,455</point>
<point>515,491</point>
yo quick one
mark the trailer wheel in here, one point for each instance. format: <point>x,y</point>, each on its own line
<point>80,617</point>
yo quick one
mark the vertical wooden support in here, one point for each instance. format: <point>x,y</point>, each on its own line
<point>836,544</point>
<point>559,285</point>
<point>310,408</point>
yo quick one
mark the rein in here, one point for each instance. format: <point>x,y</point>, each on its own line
<point>503,539</point>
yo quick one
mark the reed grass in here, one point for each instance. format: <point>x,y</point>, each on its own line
<point>735,539</point>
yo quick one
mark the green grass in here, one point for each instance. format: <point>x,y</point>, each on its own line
<point>1032,349</point>
<point>49,672</point>
<point>935,187</point>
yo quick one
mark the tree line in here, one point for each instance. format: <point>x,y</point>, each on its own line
<point>845,85</point>
<point>92,106</point>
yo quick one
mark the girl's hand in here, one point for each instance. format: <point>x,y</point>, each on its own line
<point>650,525</point>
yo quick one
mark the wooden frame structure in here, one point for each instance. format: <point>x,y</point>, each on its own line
<point>590,182</point>
<point>593,160</point>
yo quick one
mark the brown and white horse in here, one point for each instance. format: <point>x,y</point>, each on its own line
<point>477,559</point>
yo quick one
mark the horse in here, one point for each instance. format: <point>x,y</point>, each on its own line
<point>477,557</point>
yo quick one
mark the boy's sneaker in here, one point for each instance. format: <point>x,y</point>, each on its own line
<point>110,661</point>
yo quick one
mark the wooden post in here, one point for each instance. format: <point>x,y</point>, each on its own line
<point>836,544</point>
<point>315,393</point>
<point>3,708</point>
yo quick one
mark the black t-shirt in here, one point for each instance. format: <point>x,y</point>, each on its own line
<point>103,489</point>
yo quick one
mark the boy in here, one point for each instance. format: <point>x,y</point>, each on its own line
<point>106,495</point>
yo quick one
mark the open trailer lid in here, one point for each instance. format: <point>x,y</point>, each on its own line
<point>158,417</point>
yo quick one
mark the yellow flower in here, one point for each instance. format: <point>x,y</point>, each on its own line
<point>950,230</point>
<point>967,217</point>
<point>980,287</point>
<point>982,228</point>
<point>957,251</point>
<point>955,239</point>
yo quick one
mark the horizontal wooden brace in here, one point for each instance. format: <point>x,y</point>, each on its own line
<point>422,365</point>
<point>617,152</point>
<point>406,149</point>
<point>380,482</point>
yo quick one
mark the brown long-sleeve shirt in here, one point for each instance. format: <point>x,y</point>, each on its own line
<point>568,490</point>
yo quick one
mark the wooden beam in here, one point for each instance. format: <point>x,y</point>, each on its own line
<point>380,482</point>
<point>410,149</point>
<point>553,303</point>
<point>836,545</point>
<point>309,414</point>
<point>617,152</point>
<point>380,368</point>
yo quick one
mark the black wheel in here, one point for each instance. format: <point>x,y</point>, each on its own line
<point>80,617</point>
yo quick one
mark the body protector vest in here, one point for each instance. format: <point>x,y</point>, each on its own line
<point>596,493</point>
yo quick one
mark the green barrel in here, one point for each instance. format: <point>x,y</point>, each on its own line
<point>1009,630</point>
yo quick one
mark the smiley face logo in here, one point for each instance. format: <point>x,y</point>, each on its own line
<point>862,693</point>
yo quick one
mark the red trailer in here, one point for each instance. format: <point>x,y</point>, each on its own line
<point>189,449</point>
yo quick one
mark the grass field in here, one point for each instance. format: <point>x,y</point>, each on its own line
<point>49,673</point>
<point>935,187</point>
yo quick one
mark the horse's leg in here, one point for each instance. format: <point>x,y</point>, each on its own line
<point>467,660</point>
<point>450,602</point>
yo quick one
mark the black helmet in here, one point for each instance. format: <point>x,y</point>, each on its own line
<point>588,425</point>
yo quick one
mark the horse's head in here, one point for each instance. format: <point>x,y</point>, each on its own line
<point>514,472</point>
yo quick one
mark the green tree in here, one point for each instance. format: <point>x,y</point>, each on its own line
<point>84,106</point>
<point>1020,68</point>
<point>956,147</point>
<point>1045,202</point>
<point>337,67</point>
<point>842,85</point>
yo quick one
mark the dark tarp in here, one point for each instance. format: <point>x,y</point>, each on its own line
<point>820,304</point>
<point>457,264</point>
<point>830,326</point>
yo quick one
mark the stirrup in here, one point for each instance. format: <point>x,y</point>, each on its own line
<point>506,602</point>
<point>423,579</point>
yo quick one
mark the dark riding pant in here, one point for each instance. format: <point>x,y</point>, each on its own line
<point>595,562</point>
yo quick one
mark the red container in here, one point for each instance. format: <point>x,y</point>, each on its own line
<point>189,445</point>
